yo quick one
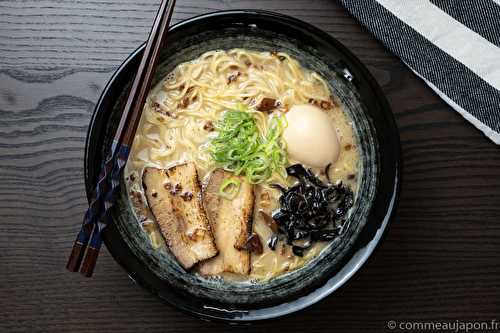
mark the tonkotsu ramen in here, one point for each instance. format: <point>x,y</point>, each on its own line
<point>244,165</point>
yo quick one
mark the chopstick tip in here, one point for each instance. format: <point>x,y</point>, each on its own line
<point>75,258</point>
<point>89,262</point>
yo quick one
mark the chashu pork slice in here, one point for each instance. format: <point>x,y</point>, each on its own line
<point>231,222</point>
<point>174,196</point>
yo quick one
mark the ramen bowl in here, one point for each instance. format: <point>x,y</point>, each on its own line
<point>374,128</point>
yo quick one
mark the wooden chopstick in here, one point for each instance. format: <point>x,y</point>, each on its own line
<point>142,82</point>
<point>89,239</point>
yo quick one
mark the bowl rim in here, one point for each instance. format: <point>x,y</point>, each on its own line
<point>124,256</point>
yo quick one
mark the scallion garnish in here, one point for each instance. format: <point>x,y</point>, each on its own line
<point>239,146</point>
<point>229,188</point>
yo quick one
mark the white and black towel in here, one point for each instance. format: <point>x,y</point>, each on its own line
<point>453,45</point>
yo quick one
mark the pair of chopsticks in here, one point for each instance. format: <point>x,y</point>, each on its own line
<point>86,248</point>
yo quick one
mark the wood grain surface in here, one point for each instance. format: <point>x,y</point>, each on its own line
<point>439,259</point>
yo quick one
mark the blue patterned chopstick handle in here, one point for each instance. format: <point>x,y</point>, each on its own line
<point>95,207</point>
<point>104,217</point>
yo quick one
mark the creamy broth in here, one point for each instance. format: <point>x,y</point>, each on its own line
<point>177,126</point>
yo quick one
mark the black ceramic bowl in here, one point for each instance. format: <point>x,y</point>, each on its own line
<point>375,130</point>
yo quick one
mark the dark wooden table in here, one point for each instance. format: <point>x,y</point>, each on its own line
<point>439,260</point>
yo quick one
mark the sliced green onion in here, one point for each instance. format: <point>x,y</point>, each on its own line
<point>229,188</point>
<point>242,149</point>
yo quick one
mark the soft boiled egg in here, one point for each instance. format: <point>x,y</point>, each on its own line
<point>310,136</point>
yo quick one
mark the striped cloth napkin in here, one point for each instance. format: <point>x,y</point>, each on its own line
<point>453,45</point>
